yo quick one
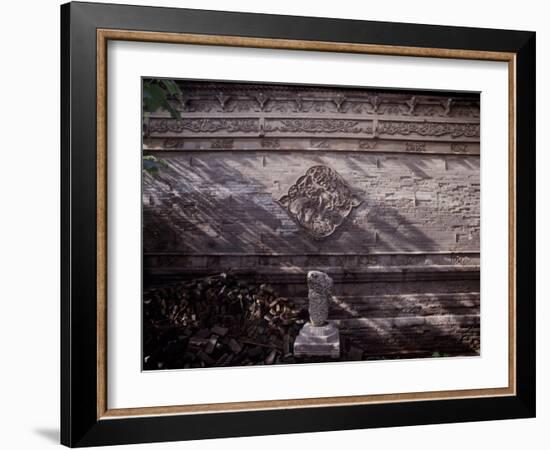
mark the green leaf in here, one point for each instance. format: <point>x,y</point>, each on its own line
<point>152,170</point>
<point>151,101</point>
<point>173,112</point>
<point>158,95</point>
<point>171,87</point>
<point>152,164</point>
<point>155,96</point>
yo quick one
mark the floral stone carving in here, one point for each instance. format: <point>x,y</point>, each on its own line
<point>319,201</point>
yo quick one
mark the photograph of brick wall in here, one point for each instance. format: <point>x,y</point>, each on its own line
<point>291,224</point>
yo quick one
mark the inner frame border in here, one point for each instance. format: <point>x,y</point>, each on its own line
<point>103,36</point>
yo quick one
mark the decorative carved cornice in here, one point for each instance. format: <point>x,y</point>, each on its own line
<point>365,144</point>
<point>310,144</point>
<point>428,129</point>
<point>203,125</point>
<point>313,126</point>
<point>415,147</point>
<point>200,97</point>
<point>317,126</point>
<point>317,118</point>
<point>459,147</point>
<point>223,144</point>
<point>270,143</point>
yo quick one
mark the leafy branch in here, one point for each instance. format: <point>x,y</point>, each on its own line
<point>156,93</point>
<point>151,164</point>
<point>155,96</point>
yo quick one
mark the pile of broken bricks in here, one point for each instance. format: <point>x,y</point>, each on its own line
<point>218,321</point>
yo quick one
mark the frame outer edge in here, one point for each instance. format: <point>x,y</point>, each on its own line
<point>79,428</point>
<point>103,35</point>
<point>526,224</point>
<point>79,258</point>
<point>65,389</point>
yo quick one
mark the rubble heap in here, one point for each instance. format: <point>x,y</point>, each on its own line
<point>217,321</point>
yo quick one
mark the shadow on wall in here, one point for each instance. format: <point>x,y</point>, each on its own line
<point>447,324</point>
<point>195,208</point>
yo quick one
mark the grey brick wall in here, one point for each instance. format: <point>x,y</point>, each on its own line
<point>412,159</point>
<point>214,202</point>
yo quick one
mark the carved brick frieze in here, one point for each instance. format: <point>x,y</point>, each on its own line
<point>306,142</point>
<point>223,144</point>
<point>461,260</point>
<point>454,130</point>
<point>203,125</point>
<point>313,126</point>
<point>319,126</point>
<point>459,147</point>
<point>248,125</point>
<point>227,98</point>
<point>323,144</point>
<point>336,104</point>
<point>270,143</point>
<point>365,144</point>
<point>253,117</point>
<point>172,144</point>
<point>415,147</point>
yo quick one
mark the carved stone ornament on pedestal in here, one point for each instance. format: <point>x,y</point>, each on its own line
<point>318,337</point>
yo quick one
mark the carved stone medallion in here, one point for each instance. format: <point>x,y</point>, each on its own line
<point>319,201</point>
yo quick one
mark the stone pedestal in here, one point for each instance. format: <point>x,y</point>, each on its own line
<point>318,341</point>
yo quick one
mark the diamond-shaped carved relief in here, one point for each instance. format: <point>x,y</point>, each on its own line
<point>319,201</point>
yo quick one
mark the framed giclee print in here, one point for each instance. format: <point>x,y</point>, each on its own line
<point>276,224</point>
